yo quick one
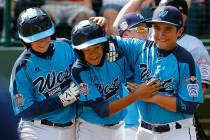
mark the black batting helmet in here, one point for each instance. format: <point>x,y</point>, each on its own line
<point>85,34</point>
<point>34,24</point>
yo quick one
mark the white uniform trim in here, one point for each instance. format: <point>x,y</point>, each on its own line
<point>199,53</point>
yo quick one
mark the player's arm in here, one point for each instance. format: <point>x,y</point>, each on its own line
<point>189,93</point>
<point>147,88</point>
<point>104,108</point>
<point>174,104</point>
<point>48,105</point>
<point>131,6</point>
<point>202,59</point>
<point>24,103</point>
<point>130,48</point>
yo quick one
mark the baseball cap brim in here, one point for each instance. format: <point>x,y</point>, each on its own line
<point>158,21</point>
<point>143,21</point>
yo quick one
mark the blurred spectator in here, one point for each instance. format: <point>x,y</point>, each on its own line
<point>1,15</point>
<point>69,11</point>
<point>110,10</point>
<point>147,8</point>
<point>208,17</point>
<point>18,6</point>
<point>197,12</point>
<point>8,125</point>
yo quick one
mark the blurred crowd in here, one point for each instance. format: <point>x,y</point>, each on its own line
<point>70,12</point>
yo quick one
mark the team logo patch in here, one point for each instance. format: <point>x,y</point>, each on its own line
<point>163,13</point>
<point>124,25</point>
<point>204,67</point>
<point>140,16</point>
<point>204,70</point>
<point>201,61</point>
<point>83,87</point>
<point>193,90</point>
<point>191,80</point>
<point>19,100</point>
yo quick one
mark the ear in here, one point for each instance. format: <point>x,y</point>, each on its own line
<point>180,31</point>
<point>125,34</point>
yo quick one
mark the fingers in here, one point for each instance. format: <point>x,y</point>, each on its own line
<point>98,20</point>
<point>74,88</point>
<point>153,81</point>
<point>132,86</point>
<point>156,87</point>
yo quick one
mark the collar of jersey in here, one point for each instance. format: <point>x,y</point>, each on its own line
<point>163,53</point>
<point>48,54</point>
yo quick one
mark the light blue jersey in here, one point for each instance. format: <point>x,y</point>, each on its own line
<point>100,83</point>
<point>37,77</point>
<point>177,69</point>
<point>132,117</point>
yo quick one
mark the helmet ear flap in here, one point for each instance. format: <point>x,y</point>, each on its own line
<point>106,47</point>
<point>80,55</point>
<point>27,45</point>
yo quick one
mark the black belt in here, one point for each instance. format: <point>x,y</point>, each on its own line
<point>112,124</point>
<point>159,128</point>
<point>46,122</point>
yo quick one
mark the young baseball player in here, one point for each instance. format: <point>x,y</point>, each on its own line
<point>42,93</point>
<point>101,85</point>
<point>193,44</point>
<point>169,113</point>
<point>198,51</point>
<point>190,43</point>
<point>132,25</point>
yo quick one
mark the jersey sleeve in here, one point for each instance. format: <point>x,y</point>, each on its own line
<point>130,48</point>
<point>21,91</point>
<point>202,59</point>
<point>88,90</point>
<point>190,88</point>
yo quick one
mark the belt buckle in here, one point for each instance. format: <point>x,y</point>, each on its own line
<point>70,123</point>
<point>162,128</point>
<point>37,122</point>
<point>49,123</point>
<point>155,128</point>
<point>111,125</point>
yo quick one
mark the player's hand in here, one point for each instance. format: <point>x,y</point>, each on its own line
<point>145,90</point>
<point>70,95</point>
<point>99,20</point>
<point>112,55</point>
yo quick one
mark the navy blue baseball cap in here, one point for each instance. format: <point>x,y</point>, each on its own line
<point>130,20</point>
<point>167,14</point>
